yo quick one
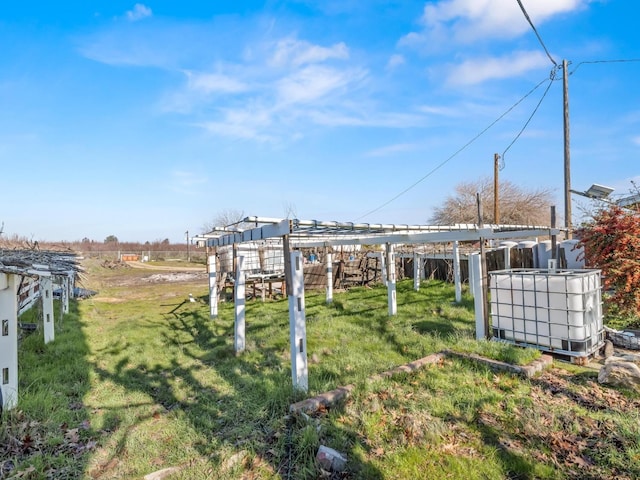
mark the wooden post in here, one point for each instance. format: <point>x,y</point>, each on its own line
<point>286,251</point>
<point>567,150</point>
<point>297,323</point>
<point>8,340</point>
<point>239,297</point>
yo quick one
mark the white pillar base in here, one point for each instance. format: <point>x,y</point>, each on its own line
<point>297,325</point>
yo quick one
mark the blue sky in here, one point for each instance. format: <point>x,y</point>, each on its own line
<point>144,120</point>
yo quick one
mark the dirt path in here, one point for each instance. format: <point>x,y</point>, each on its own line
<point>166,268</point>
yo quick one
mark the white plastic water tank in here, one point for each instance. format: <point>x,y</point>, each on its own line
<point>507,245</point>
<point>555,311</point>
<point>544,253</point>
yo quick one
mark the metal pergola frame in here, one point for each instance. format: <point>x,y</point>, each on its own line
<point>315,233</point>
<point>297,233</point>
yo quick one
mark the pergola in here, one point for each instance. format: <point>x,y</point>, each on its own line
<point>296,234</point>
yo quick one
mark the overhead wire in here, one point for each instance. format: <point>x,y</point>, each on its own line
<point>552,77</point>
<point>452,156</point>
<point>625,60</point>
<point>526,15</point>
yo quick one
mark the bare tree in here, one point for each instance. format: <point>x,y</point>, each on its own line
<point>224,218</point>
<point>518,206</point>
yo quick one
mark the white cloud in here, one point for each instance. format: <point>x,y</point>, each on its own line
<point>440,111</point>
<point>340,118</point>
<point>466,21</point>
<point>636,140</point>
<point>186,182</point>
<point>139,12</point>
<point>250,123</point>
<point>479,70</point>
<point>395,61</point>
<point>214,83</point>
<point>390,150</point>
<point>292,52</point>
<point>314,82</point>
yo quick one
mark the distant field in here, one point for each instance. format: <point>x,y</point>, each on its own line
<point>140,379</point>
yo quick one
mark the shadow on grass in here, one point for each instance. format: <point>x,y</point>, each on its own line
<point>245,407</point>
<point>49,433</point>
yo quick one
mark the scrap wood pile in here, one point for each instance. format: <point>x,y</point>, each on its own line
<point>35,262</point>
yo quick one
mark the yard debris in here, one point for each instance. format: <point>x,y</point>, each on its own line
<point>625,338</point>
<point>621,371</point>
<point>162,474</point>
<point>330,459</point>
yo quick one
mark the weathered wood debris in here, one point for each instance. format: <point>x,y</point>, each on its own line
<point>36,262</point>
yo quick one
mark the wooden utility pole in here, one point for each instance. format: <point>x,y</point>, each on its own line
<point>567,152</point>
<point>496,196</point>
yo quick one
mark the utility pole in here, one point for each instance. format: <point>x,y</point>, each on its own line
<point>567,153</point>
<point>496,196</point>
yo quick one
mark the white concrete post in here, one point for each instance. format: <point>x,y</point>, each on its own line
<point>471,279</point>
<point>507,258</point>
<point>239,299</point>
<point>297,325</point>
<point>417,260</point>
<point>391,280</point>
<point>383,268</point>
<point>329,267</point>
<point>456,271</point>
<point>213,287</point>
<point>46,294</point>
<point>9,340</point>
<point>475,266</point>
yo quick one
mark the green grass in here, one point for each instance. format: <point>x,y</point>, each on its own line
<point>138,379</point>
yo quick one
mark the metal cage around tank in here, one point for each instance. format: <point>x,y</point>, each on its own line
<point>548,309</point>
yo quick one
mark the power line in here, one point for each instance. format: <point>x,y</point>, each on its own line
<point>444,162</point>
<point>626,60</point>
<point>551,79</point>
<point>526,15</point>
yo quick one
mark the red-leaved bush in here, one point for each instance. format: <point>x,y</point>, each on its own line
<point>612,243</point>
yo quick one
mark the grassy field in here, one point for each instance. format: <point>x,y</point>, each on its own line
<point>139,379</point>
